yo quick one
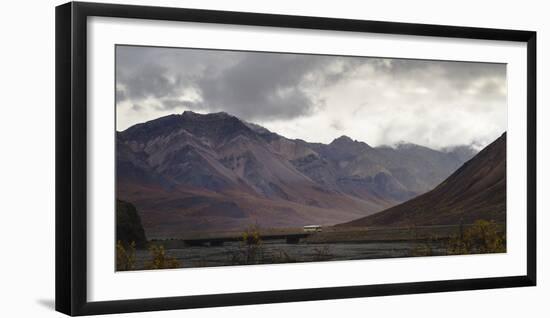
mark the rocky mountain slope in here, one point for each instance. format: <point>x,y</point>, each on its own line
<point>475,191</point>
<point>193,172</point>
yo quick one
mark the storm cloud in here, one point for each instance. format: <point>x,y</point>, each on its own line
<point>255,86</point>
<point>318,98</point>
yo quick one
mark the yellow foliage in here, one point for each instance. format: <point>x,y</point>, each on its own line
<point>251,251</point>
<point>160,260</point>
<point>125,258</point>
<point>252,236</point>
<point>482,237</point>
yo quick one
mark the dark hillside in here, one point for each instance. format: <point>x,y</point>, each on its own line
<point>477,190</point>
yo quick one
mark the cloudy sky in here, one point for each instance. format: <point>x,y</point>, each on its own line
<point>318,98</point>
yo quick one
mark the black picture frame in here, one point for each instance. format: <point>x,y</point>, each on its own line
<point>71,157</point>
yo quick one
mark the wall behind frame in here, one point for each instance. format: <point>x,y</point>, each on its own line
<point>27,160</point>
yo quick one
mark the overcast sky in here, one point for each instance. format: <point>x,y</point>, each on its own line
<point>318,98</point>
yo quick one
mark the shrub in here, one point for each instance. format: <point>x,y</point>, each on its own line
<point>252,243</point>
<point>125,256</point>
<point>251,236</point>
<point>250,249</point>
<point>160,260</point>
<point>482,237</point>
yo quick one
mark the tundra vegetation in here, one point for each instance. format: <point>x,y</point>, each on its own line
<point>159,259</point>
<point>125,256</point>
<point>483,237</point>
<point>252,251</point>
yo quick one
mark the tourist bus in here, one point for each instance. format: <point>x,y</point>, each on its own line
<point>313,228</point>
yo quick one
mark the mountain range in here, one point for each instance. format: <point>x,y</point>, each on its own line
<point>197,172</point>
<point>477,190</point>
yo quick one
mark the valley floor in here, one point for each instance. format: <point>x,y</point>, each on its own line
<point>332,244</point>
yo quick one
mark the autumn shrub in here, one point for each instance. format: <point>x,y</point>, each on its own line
<point>482,237</point>
<point>251,236</point>
<point>253,246</point>
<point>159,258</point>
<point>125,256</point>
<point>250,249</point>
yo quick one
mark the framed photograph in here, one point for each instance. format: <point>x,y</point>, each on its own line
<point>209,158</point>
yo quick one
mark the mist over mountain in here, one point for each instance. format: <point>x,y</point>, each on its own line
<point>194,172</point>
<point>475,191</point>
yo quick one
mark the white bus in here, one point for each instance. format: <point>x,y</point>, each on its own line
<point>313,228</point>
